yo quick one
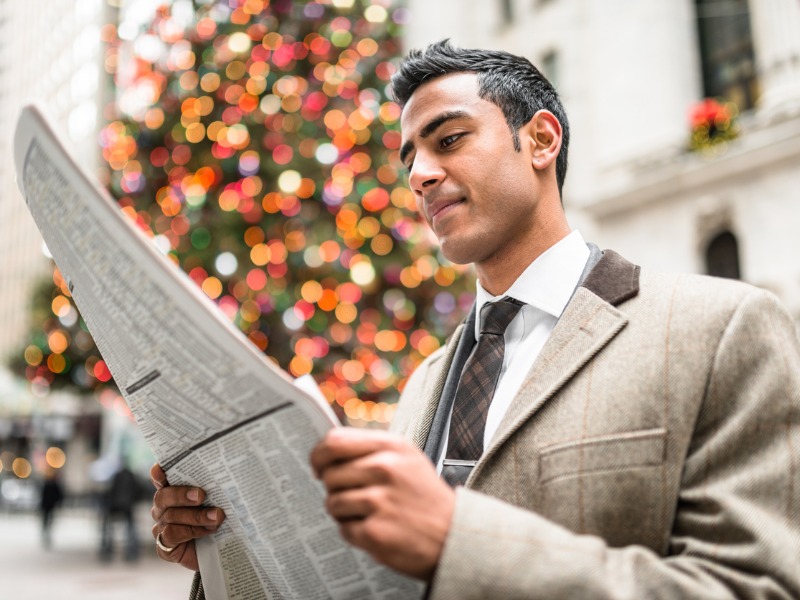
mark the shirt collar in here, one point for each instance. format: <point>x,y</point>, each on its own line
<point>548,282</point>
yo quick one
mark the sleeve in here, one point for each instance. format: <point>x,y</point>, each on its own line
<point>197,592</point>
<point>736,533</point>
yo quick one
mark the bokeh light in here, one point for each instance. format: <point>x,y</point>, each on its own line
<point>55,457</point>
<point>257,145</point>
<point>21,467</point>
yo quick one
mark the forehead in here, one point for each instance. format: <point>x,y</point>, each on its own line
<point>458,91</point>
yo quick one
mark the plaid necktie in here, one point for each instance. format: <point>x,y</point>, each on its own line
<point>475,391</point>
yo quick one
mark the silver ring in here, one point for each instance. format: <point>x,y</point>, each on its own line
<point>162,546</point>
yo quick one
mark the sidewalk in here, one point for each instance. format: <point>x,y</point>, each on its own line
<point>71,568</point>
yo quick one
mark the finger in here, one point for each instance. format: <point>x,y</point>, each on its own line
<point>203,517</point>
<point>347,443</point>
<point>172,496</point>
<point>372,469</point>
<point>353,504</point>
<point>180,553</point>
<point>344,476</point>
<point>354,531</point>
<point>174,535</point>
<point>158,477</point>
<point>176,555</point>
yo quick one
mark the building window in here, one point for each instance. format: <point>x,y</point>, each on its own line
<point>550,67</point>
<point>726,51</point>
<point>507,11</point>
<point>722,256</point>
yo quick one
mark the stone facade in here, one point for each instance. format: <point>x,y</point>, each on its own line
<point>629,73</point>
<point>50,53</point>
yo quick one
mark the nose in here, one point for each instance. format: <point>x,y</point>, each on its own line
<point>425,174</point>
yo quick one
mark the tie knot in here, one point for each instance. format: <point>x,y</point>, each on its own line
<point>496,316</point>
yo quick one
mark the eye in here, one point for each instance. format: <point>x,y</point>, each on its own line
<point>450,139</point>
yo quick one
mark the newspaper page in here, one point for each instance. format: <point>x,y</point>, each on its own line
<point>215,411</point>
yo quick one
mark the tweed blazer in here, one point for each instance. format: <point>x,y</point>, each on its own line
<point>653,450</point>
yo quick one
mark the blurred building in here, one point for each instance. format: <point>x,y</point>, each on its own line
<point>51,53</point>
<point>630,73</point>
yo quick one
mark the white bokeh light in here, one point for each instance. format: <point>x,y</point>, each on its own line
<point>226,263</point>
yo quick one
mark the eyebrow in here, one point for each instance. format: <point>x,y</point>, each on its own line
<point>429,128</point>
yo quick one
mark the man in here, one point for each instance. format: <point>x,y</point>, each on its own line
<point>620,433</point>
<point>119,504</point>
<point>52,494</point>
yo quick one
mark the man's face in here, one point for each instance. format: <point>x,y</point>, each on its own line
<point>476,192</point>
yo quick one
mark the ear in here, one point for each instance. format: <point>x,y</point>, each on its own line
<point>544,137</point>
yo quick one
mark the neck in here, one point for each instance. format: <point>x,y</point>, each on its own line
<point>498,273</point>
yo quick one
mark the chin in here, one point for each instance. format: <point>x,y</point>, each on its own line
<point>459,254</point>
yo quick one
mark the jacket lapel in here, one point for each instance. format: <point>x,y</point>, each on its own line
<point>590,321</point>
<point>453,365</point>
<point>432,391</point>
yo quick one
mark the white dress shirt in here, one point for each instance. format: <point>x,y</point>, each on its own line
<point>545,287</point>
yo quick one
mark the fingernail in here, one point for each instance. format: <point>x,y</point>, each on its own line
<point>212,515</point>
<point>193,495</point>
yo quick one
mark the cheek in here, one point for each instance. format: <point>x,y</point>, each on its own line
<point>503,169</point>
<point>507,186</point>
<point>511,206</point>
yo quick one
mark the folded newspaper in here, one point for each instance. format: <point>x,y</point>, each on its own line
<point>215,411</point>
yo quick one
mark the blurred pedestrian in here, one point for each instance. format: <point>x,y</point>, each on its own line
<point>118,504</point>
<point>51,497</point>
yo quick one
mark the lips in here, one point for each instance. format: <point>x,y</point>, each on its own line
<point>441,205</point>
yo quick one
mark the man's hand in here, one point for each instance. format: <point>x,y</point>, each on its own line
<point>180,519</point>
<point>387,498</point>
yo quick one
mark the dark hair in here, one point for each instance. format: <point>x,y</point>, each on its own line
<point>511,82</point>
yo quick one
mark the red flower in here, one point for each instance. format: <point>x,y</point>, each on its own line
<point>709,113</point>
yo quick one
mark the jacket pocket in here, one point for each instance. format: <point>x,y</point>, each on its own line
<point>608,453</point>
<point>612,486</point>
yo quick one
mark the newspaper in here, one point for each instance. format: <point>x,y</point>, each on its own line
<point>215,411</point>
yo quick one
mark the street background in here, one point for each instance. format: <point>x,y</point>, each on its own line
<point>71,568</point>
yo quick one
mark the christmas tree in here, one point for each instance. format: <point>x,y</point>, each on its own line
<point>257,144</point>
